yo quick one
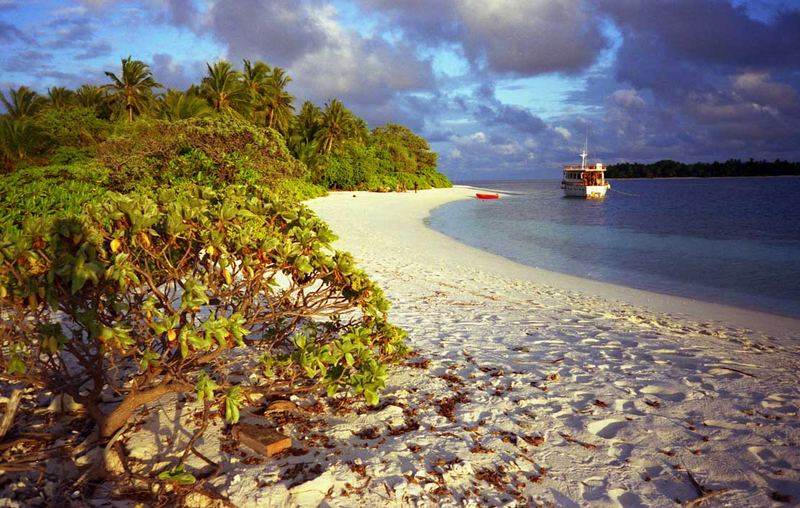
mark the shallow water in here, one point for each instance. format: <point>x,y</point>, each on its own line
<point>734,241</point>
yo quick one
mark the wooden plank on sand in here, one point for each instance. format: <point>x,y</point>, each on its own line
<point>264,440</point>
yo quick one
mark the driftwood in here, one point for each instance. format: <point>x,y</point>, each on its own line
<point>11,412</point>
<point>704,494</point>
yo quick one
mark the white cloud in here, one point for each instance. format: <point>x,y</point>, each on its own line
<point>565,133</point>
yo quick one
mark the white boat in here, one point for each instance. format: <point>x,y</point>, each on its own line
<point>585,181</point>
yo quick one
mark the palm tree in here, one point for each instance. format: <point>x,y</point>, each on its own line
<point>20,138</point>
<point>224,89</point>
<point>175,105</point>
<point>277,101</point>
<point>90,96</point>
<point>22,102</point>
<point>335,126</point>
<point>307,122</point>
<point>60,97</point>
<point>133,89</point>
<point>254,78</point>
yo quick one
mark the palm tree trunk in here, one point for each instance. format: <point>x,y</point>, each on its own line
<point>130,113</point>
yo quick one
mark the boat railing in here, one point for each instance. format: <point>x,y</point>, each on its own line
<point>584,168</point>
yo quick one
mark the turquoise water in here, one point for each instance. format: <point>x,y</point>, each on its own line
<point>734,241</point>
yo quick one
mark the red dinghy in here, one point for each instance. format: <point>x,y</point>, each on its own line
<point>482,195</point>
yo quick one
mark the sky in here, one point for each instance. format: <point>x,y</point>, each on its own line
<point>502,89</point>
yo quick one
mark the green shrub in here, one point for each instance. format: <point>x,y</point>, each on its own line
<point>145,296</point>
<point>48,191</point>
<point>72,127</point>
<point>214,151</point>
<point>358,167</point>
<point>298,189</point>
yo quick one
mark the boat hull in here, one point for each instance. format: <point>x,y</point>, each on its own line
<point>578,190</point>
<point>481,195</point>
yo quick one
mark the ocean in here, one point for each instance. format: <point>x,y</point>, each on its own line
<point>734,241</point>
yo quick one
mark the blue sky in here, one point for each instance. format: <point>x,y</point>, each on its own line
<point>501,88</point>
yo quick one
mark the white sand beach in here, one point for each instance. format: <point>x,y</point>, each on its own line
<point>531,388</point>
<point>646,386</point>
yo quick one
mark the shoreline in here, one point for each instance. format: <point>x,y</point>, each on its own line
<point>678,306</point>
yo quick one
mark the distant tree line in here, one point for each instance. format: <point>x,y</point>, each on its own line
<point>731,167</point>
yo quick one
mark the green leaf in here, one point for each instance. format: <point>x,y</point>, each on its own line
<point>233,401</point>
<point>331,389</point>
<point>303,265</point>
<point>205,387</point>
<point>16,365</point>
<point>149,357</point>
<point>371,396</point>
<point>178,475</point>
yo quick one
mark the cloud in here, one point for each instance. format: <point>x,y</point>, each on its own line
<point>174,74</point>
<point>369,73</point>
<point>532,36</point>
<point>564,132</point>
<point>758,88</point>
<point>519,37</point>
<point>27,60</point>
<point>10,33</point>
<point>711,31</point>
<point>279,32</point>
<point>627,98</point>
<point>94,50</point>
<point>181,13</point>
<point>429,22</point>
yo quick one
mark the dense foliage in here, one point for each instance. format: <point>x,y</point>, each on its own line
<point>215,151</point>
<point>732,167</point>
<point>144,296</point>
<point>48,192</point>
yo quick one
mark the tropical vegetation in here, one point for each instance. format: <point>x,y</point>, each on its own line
<point>146,235</point>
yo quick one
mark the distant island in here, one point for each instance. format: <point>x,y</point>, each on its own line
<point>731,167</point>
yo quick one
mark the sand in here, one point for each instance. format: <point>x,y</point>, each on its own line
<point>529,388</point>
<point>629,390</point>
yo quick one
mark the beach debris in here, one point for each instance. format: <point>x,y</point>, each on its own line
<point>11,411</point>
<point>600,403</point>
<point>446,407</point>
<point>704,494</point>
<point>281,406</point>
<point>410,425</point>
<point>554,376</point>
<point>781,498</point>
<point>419,363</point>
<point>368,433</point>
<point>494,477</point>
<point>568,438</point>
<point>734,370</point>
<point>479,448</point>
<point>534,440</point>
<point>452,379</point>
<point>264,440</point>
<point>652,403</point>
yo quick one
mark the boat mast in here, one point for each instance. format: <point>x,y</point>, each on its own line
<point>584,153</point>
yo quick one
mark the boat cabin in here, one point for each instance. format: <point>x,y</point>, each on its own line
<point>589,175</point>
